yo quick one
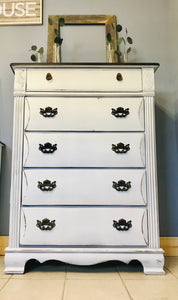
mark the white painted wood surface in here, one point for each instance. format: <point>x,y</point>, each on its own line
<point>84,150</point>
<point>83,226</point>
<point>20,83</point>
<point>16,171</point>
<point>148,79</point>
<point>83,187</point>
<point>151,259</point>
<point>151,173</point>
<point>72,79</point>
<point>84,114</point>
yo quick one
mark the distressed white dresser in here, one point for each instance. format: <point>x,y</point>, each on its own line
<point>83,185</point>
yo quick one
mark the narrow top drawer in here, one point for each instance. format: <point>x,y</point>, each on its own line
<point>118,80</point>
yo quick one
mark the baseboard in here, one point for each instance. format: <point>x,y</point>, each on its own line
<point>4,240</point>
<point>168,244</point>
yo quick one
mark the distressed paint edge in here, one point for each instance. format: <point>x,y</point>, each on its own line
<point>168,244</point>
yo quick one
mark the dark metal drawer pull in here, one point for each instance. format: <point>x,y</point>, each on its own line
<point>46,224</point>
<point>48,112</point>
<point>122,225</point>
<point>120,112</point>
<point>46,185</point>
<point>121,185</point>
<point>119,77</point>
<point>120,148</point>
<point>47,148</point>
<point>49,76</point>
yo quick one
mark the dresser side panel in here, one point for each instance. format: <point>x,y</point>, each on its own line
<point>16,173</point>
<point>151,173</point>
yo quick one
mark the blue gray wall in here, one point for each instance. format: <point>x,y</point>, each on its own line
<point>153,26</point>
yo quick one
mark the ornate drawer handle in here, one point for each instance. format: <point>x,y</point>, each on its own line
<point>121,185</point>
<point>49,76</point>
<point>120,112</point>
<point>122,225</point>
<point>48,112</point>
<point>46,185</point>
<point>119,77</point>
<point>46,224</point>
<point>47,148</point>
<point>120,148</point>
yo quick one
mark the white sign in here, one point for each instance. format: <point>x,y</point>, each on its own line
<point>14,12</point>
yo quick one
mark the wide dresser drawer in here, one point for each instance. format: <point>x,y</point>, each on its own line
<point>84,187</point>
<point>84,114</point>
<point>84,150</point>
<point>81,79</point>
<point>83,226</point>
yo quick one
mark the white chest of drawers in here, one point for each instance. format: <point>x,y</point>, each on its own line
<point>84,168</point>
